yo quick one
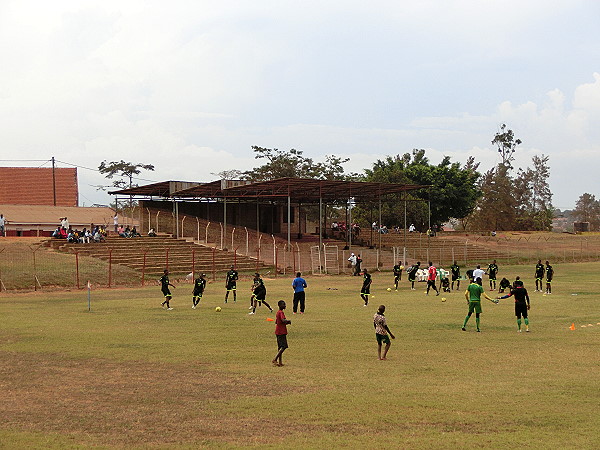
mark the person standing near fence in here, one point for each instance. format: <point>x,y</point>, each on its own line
<point>549,276</point>
<point>299,284</point>
<point>231,283</point>
<point>539,275</point>
<point>116,222</point>
<point>492,271</point>
<point>357,269</point>
<point>366,287</point>
<point>164,282</point>
<point>2,225</point>
<point>455,269</point>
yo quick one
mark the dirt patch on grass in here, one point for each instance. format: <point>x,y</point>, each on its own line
<point>128,403</point>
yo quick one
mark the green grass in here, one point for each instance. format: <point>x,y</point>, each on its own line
<point>129,374</point>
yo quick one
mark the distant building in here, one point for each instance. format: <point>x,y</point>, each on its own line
<point>38,186</point>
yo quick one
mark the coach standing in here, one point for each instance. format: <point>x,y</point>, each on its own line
<point>299,284</point>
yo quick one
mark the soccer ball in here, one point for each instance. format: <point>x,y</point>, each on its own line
<point>389,289</point>
<point>218,309</point>
<point>443,299</point>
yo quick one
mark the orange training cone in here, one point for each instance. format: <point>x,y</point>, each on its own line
<point>572,327</point>
<point>269,319</point>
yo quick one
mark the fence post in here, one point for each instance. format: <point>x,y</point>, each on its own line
<point>214,269</point>
<point>221,225</point>
<point>144,269</point>
<point>235,256</point>
<point>276,257</point>
<point>193,264</point>
<point>76,268</point>
<point>298,251</point>
<point>232,235</point>
<point>198,228</point>
<point>258,251</point>
<point>167,259</point>
<point>109,267</point>
<point>34,272</point>
<point>157,214</point>
<point>247,248</point>
<point>206,234</point>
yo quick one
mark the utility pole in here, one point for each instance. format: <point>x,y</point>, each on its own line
<point>53,181</point>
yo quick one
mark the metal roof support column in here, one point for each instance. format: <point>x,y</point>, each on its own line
<point>177,218</point>
<point>380,224</point>
<point>225,219</point>
<point>257,219</point>
<point>404,224</point>
<point>289,221</point>
<point>348,224</point>
<point>320,219</point>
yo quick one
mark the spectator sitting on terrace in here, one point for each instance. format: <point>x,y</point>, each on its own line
<point>121,231</point>
<point>57,234</point>
<point>151,232</point>
<point>134,232</point>
<point>71,236</point>
<point>127,231</point>
<point>97,236</point>
<point>412,228</point>
<point>383,229</point>
<point>334,226</point>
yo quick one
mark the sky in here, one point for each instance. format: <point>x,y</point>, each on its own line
<point>191,86</point>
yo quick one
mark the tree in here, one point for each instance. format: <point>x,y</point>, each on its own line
<point>453,192</point>
<point>123,169</point>
<point>587,209</point>
<point>507,145</point>
<point>292,163</point>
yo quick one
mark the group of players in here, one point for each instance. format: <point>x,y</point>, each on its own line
<point>445,285</point>
<point>258,297</point>
<point>474,290</point>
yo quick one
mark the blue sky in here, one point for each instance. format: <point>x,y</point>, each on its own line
<point>190,86</point>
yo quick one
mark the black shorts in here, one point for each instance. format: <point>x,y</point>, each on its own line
<point>455,277</point>
<point>260,294</point>
<point>366,290</point>
<point>282,341</point>
<point>197,294</point>
<point>231,286</point>
<point>166,292</point>
<point>430,283</point>
<point>521,310</point>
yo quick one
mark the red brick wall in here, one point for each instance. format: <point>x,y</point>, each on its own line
<point>33,186</point>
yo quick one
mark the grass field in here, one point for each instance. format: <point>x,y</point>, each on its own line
<point>130,374</point>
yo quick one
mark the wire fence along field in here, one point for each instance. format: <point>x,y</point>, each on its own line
<point>27,265</point>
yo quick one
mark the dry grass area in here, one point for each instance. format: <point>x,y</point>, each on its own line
<point>128,403</point>
<point>129,374</point>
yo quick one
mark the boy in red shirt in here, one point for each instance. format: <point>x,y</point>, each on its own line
<point>281,332</point>
<point>431,276</point>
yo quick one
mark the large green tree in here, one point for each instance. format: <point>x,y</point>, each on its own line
<point>452,189</point>
<point>293,163</point>
<point>587,209</point>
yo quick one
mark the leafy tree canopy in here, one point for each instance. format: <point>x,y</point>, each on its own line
<point>292,163</point>
<point>453,190</point>
<point>123,169</point>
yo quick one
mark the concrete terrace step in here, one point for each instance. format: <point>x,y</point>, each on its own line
<point>130,253</point>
